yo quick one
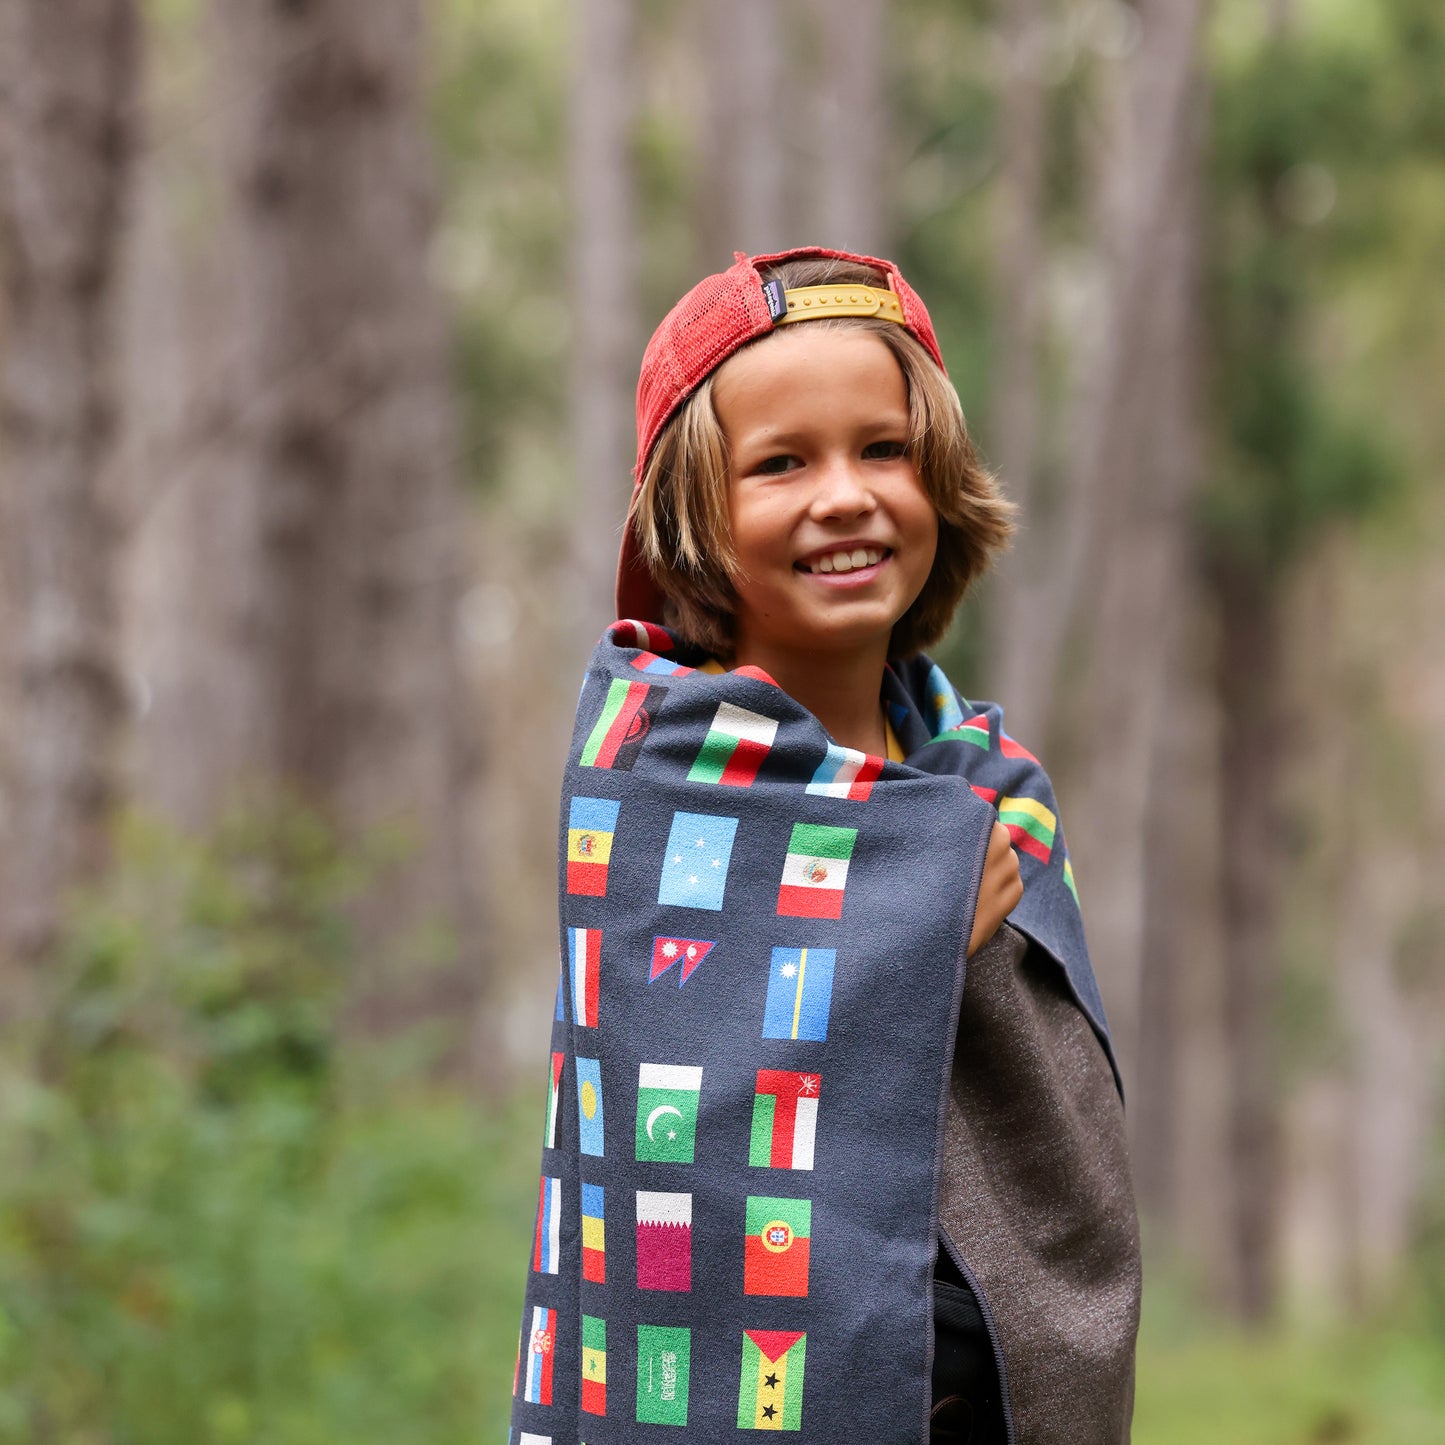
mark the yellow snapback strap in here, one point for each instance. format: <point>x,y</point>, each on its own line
<point>817,303</point>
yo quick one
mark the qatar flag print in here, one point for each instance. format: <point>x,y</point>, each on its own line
<point>664,1241</point>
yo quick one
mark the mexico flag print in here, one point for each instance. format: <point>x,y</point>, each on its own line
<point>785,1120</point>
<point>541,1347</point>
<point>626,717</point>
<point>776,1247</point>
<point>815,872</point>
<point>734,748</point>
<point>770,1392</point>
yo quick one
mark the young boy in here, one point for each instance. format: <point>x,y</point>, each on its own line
<point>816,1184</point>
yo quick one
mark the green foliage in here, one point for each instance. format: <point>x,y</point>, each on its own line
<point>216,1224</point>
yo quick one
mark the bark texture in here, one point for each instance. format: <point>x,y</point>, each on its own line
<point>330,528</point>
<point>68,85</point>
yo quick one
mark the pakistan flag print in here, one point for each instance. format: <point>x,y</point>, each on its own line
<point>761,949</point>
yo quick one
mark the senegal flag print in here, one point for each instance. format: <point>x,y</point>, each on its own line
<point>770,1395</point>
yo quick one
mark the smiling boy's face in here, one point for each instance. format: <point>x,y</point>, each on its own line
<point>834,534</point>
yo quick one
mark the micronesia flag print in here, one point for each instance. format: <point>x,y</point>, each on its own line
<point>763,939</point>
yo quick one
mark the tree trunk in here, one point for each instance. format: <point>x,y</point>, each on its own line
<point>604,306</point>
<point>743,153</point>
<point>68,101</point>
<point>334,515</point>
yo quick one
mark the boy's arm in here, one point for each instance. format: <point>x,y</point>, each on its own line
<point>999,890</point>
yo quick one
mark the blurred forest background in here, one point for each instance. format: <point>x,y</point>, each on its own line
<point>319,327</point>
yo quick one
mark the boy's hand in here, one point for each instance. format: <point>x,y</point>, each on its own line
<point>1000,890</point>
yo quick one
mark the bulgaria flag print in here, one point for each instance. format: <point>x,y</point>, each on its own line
<point>815,872</point>
<point>735,746</point>
<point>770,1393</point>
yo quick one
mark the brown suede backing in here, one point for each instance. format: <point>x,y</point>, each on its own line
<point>1037,1196</point>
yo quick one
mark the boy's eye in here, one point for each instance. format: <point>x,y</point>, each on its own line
<point>776,466</point>
<point>885,451</point>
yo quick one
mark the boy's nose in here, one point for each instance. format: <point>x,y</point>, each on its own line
<point>842,491</point>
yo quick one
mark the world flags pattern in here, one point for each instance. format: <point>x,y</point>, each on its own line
<point>664,1374</point>
<point>785,1120</point>
<point>589,1106</point>
<point>689,952</point>
<point>776,1246</point>
<point>695,864</point>
<point>594,1365</point>
<point>800,993</point>
<point>1030,825</point>
<point>815,872</point>
<point>541,1346</point>
<point>846,773</point>
<point>667,1099</point>
<point>545,1251</point>
<point>664,1240</point>
<point>735,746</point>
<point>584,958</point>
<point>770,1388</point>
<point>554,1091</point>
<point>626,717</point>
<point>591,827</point>
<point>795,1006</point>
<point>594,1234</point>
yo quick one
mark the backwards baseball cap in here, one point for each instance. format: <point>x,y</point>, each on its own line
<point>720,314</point>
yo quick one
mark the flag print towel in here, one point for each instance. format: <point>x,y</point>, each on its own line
<point>762,947</point>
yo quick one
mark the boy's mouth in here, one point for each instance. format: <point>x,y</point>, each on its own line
<point>844,559</point>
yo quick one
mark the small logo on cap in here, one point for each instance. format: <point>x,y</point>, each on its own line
<point>777,303</point>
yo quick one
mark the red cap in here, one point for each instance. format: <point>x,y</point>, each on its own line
<point>720,314</point>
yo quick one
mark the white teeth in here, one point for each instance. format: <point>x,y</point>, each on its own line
<point>849,561</point>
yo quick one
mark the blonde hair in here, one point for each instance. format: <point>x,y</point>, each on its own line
<point>681,515</point>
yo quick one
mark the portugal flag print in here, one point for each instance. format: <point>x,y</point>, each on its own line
<point>785,1120</point>
<point>770,1393</point>
<point>815,872</point>
<point>777,1244</point>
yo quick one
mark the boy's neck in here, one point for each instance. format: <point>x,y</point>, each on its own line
<point>840,689</point>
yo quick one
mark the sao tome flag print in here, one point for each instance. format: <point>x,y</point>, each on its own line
<point>770,1393</point>
<point>800,993</point>
<point>594,1234</point>
<point>591,824</point>
<point>846,773</point>
<point>664,1374</point>
<point>1030,825</point>
<point>667,1096</point>
<point>541,1347</point>
<point>695,865</point>
<point>549,1226</point>
<point>594,1365</point>
<point>775,1251</point>
<point>584,956</point>
<point>589,1106</point>
<point>616,738</point>
<point>688,951</point>
<point>815,872</point>
<point>735,746</point>
<point>785,1120</point>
